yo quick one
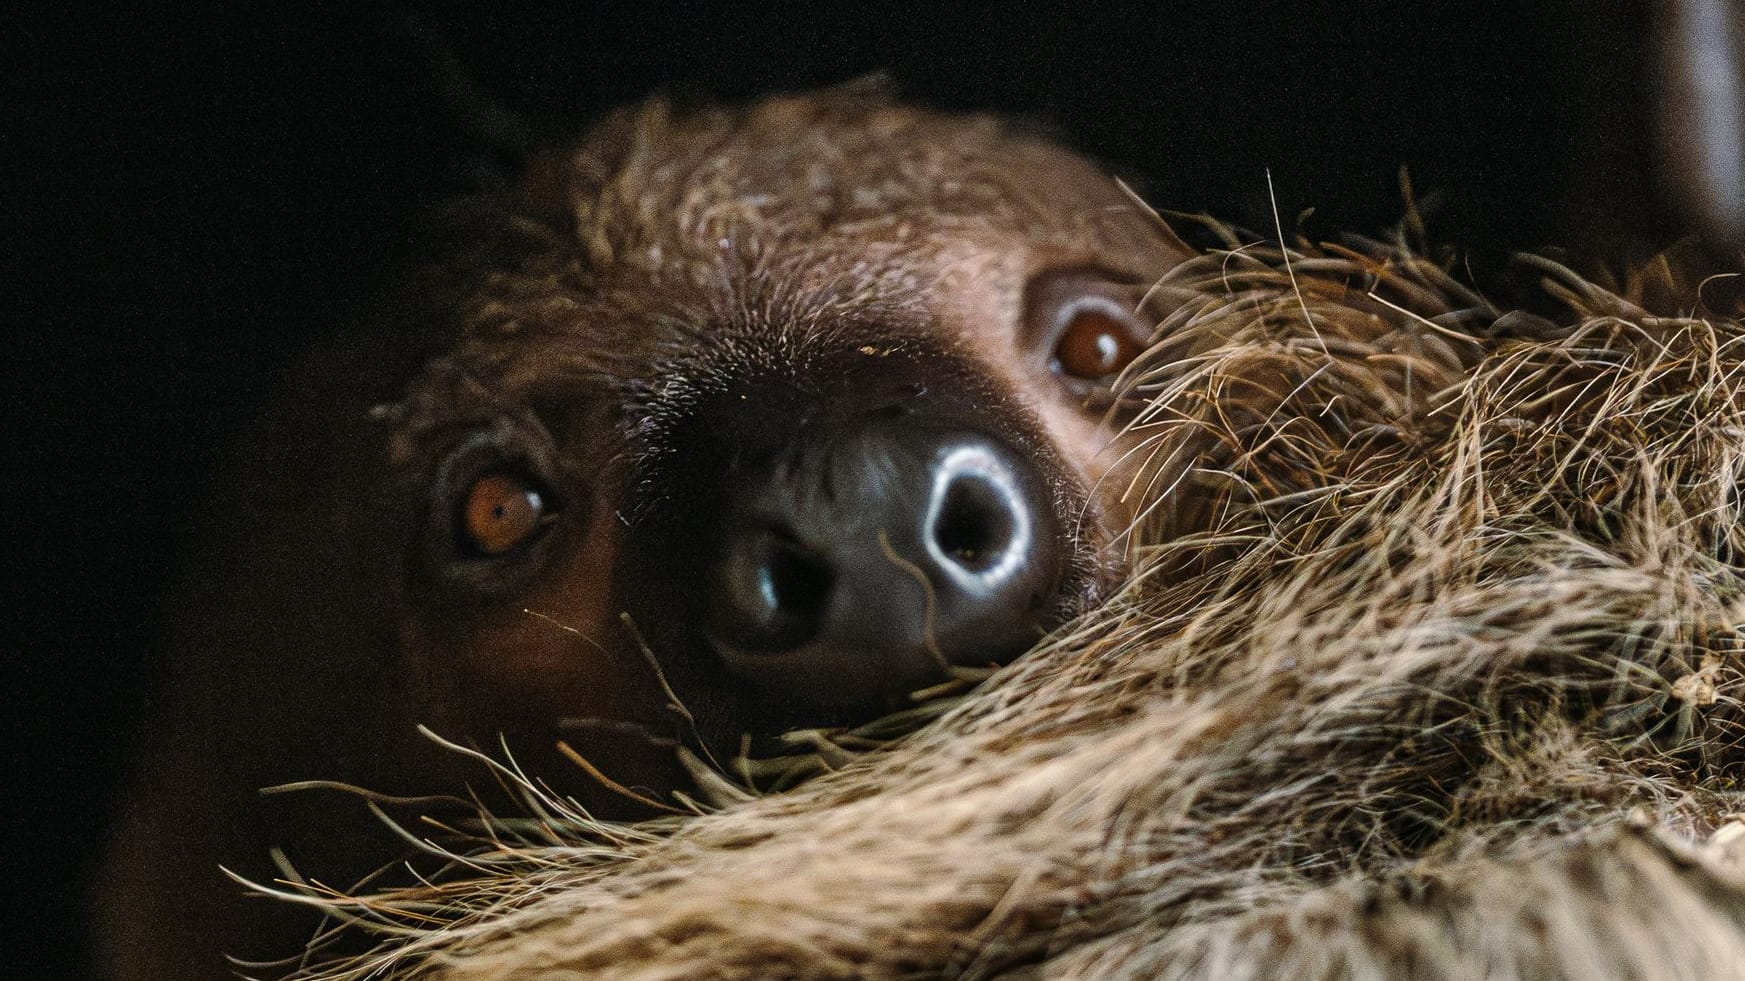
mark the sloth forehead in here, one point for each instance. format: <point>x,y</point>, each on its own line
<point>660,227</point>
<point>847,175</point>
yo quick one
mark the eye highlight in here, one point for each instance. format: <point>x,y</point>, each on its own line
<point>500,513</point>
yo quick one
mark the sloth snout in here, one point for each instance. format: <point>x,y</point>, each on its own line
<point>857,568</point>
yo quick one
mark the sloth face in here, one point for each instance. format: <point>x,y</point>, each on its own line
<point>761,419</point>
<point>710,426</point>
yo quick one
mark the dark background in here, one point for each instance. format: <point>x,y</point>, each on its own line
<point>190,199</point>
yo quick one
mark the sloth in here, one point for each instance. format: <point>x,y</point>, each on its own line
<point>1441,680</point>
<point>712,425</point>
<point>1336,621</point>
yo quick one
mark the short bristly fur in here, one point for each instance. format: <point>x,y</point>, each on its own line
<point>1446,686</point>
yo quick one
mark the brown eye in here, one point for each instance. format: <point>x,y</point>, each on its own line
<point>1082,326</point>
<point>1095,344</point>
<point>501,512</point>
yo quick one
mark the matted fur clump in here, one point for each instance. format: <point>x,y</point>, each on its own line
<point>1445,683</point>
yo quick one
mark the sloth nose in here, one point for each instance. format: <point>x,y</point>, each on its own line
<point>856,570</point>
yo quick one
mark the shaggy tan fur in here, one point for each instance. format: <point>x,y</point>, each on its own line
<point>1447,686</point>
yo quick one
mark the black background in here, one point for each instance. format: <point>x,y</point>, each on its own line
<point>191,198</point>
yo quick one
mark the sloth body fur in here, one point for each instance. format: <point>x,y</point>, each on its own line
<point>1446,685</point>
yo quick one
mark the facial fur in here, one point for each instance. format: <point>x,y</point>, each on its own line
<point>677,290</point>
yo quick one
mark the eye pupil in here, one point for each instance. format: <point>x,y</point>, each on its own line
<point>1094,345</point>
<point>500,513</point>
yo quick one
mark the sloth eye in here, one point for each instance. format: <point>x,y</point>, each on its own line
<point>1094,344</point>
<point>494,513</point>
<point>500,513</point>
<point>1081,324</point>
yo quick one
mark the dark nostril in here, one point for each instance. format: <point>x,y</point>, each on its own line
<point>775,591</point>
<point>979,522</point>
<point>794,583</point>
<point>975,524</point>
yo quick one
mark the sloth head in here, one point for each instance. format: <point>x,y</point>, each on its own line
<point>780,412</point>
